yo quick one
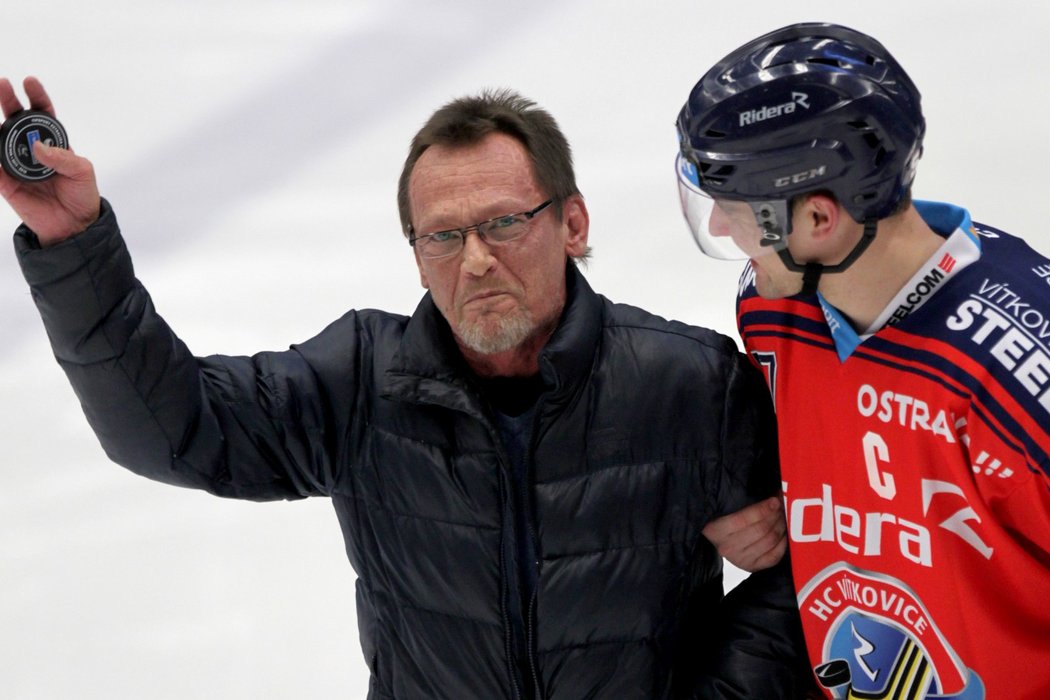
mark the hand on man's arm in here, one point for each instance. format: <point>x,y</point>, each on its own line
<point>753,538</point>
<point>63,205</point>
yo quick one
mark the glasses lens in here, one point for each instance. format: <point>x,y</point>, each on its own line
<point>505,228</point>
<point>438,245</point>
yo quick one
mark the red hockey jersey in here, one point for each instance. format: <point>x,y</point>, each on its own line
<point>916,471</point>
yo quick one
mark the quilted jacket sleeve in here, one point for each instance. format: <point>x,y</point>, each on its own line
<point>754,647</point>
<point>234,426</point>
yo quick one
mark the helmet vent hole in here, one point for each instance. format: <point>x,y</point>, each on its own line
<point>834,63</point>
<point>880,157</point>
<point>715,134</point>
<point>716,174</point>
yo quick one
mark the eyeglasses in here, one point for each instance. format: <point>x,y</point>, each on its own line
<point>501,229</point>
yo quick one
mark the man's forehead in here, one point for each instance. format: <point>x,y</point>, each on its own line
<point>489,178</point>
<point>495,152</point>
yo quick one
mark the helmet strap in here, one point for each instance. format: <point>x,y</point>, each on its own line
<point>811,272</point>
<point>811,278</point>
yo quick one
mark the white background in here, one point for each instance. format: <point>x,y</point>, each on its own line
<point>251,151</point>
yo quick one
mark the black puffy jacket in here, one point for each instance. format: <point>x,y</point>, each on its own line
<point>648,429</point>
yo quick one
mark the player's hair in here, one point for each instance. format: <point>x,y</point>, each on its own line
<point>467,120</point>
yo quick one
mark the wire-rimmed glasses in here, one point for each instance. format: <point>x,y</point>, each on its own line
<point>501,229</point>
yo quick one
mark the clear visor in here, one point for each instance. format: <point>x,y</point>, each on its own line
<point>724,228</point>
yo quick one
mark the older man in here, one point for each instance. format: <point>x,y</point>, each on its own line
<point>521,469</point>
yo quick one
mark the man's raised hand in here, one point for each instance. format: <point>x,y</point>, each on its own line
<point>62,205</point>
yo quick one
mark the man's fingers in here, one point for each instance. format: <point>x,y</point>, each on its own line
<point>768,542</point>
<point>751,542</point>
<point>759,555</point>
<point>763,511</point>
<point>8,101</point>
<point>63,161</point>
<point>38,97</point>
<point>752,538</point>
<point>758,517</point>
<point>771,556</point>
<point>774,505</point>
<point>8,184</point>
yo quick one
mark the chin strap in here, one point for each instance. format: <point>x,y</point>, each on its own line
<point>812,271</point>
<point>811,278</point>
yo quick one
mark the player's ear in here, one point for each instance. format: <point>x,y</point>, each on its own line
<point>820,214</point>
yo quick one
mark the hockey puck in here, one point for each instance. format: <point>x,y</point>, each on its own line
<point>19,133</point>
<point>833,674</point>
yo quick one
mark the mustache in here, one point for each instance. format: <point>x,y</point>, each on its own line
<point>487,290</point>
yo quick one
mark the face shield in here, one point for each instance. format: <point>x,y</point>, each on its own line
<point>730,229</point>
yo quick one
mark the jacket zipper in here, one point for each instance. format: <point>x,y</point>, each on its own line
<point>531,534</point>
<point>530,614</point>
<point>497,440</point>
<point>537,689</point>
<point>508,651</point>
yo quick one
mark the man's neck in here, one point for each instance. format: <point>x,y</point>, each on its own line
<point>522,360</point>
<point>902,244</point>
<point>512,396</point>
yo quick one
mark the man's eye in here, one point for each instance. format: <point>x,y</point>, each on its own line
<point>504,222</point>
<point>442,236</point>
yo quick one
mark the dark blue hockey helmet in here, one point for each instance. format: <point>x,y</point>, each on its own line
<point>809,107</point>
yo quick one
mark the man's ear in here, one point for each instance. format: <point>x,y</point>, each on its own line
<point>821,214</point>
<point>578,223</point>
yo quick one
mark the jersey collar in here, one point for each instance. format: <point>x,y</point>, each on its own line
<point>961,247</point>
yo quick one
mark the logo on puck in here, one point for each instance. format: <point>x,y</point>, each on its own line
<point>19,134</point>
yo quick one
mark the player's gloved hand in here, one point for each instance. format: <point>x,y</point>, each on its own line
<point>753,538</point>
<point>62,205</point>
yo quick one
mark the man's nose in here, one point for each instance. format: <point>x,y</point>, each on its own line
<point>477,254</point>
<point>719,223</point>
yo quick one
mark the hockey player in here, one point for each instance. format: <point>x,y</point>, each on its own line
<point>907,349</point>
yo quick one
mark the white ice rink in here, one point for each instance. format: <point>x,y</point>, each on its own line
<point>251,151</point>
